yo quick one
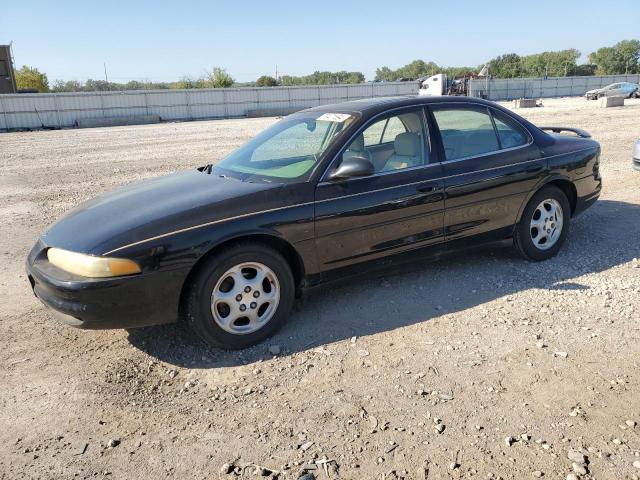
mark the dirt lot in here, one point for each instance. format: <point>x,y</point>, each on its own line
<point>482,365</point>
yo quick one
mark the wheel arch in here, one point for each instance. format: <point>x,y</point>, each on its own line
<point>282,246</point>
<point>563,183</point>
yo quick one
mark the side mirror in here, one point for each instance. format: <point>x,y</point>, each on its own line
<point>353,167</point>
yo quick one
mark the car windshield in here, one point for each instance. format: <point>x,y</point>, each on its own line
<point>287,151</point>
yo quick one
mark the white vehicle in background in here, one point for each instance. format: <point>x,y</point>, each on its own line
<point>622,89</point>
<point>434,86</point>
<point>439,84</point>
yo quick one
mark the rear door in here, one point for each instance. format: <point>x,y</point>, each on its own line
<point>400,207</point>
<point>490,163</point>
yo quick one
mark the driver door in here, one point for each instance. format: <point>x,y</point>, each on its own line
<point>398,208</point>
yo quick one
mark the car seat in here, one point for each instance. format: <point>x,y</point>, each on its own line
<point>406,152</point>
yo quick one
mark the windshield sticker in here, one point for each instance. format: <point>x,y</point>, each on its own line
<point>334,117</point>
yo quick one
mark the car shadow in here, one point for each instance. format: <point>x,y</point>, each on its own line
<point>603,237</point>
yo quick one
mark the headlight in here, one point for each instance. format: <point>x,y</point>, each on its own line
<point>89,266</point>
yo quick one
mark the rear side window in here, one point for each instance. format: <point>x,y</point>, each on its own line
<point>470,131</point>
<point>509,133</point>
<point>465,132</point>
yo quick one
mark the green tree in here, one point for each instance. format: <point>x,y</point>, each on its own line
<point>135,85</point>
<point>458,72</point>
<point>92,85</point>
<point>623,57</point>
<point>31,78</point>
<point>266,81</point>
<point>354,77</point>
<point>585,70</point>
<point>506,66</point>
<point>418,69</point>
<point>323,78</point>
<point>385,74</point>
<point>629,53</point>
<point>68,86</point>
<point>184,83</point>
<point>553,64</point>
<point>349,77</point>
<point>219,78</point>
<point>289,80</point>
<point>202,83</point>
<point>410,71</point>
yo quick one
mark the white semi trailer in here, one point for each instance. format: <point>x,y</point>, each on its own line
<point>439,84</point>
<point>434,85</point>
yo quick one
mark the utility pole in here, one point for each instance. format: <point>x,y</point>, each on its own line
<point>276,73</point>
<point>106,78</point>
<point>12,72</point>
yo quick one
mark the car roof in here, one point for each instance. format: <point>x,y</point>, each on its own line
<point>372,106</point>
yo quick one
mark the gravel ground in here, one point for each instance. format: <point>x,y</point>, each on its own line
<point>481,365</point>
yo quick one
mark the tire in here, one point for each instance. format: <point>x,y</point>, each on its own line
<point>529,238</point>
<point>205,311</point>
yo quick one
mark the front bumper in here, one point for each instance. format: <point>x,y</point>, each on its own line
<point>636,156</point>
<point>101,303</point>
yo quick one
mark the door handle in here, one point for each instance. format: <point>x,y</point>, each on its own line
<point>428,188</point>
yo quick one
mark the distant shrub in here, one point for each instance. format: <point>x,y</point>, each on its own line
<point>266,81</point>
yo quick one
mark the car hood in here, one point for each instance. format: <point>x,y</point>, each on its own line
<point>155,207</point>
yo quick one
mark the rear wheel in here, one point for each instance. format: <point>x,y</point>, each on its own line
<point>240,296</point>
<point>544,224</point>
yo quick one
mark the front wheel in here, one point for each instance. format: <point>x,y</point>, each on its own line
<point>544,224</point>
<point>240,296</point>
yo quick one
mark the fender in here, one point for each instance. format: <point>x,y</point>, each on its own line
<point>538,186</point>
<point>303,252</point>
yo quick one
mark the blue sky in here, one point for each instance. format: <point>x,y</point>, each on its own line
<point>165,40</point>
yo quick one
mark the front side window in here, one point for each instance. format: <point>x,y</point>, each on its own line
<point>394,128</point>
<point>392,143</point>
<point>373,134</point>
<point>288,150</point>
<point>384,131</point>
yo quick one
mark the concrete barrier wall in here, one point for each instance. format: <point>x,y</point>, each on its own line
<point>513,88</point>
<point>65,109</point>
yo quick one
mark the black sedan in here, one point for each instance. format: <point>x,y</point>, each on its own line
<point>322,193</point>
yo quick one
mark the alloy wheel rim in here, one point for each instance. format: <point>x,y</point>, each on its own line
<point>546,224</point>
<point>245,298</point>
